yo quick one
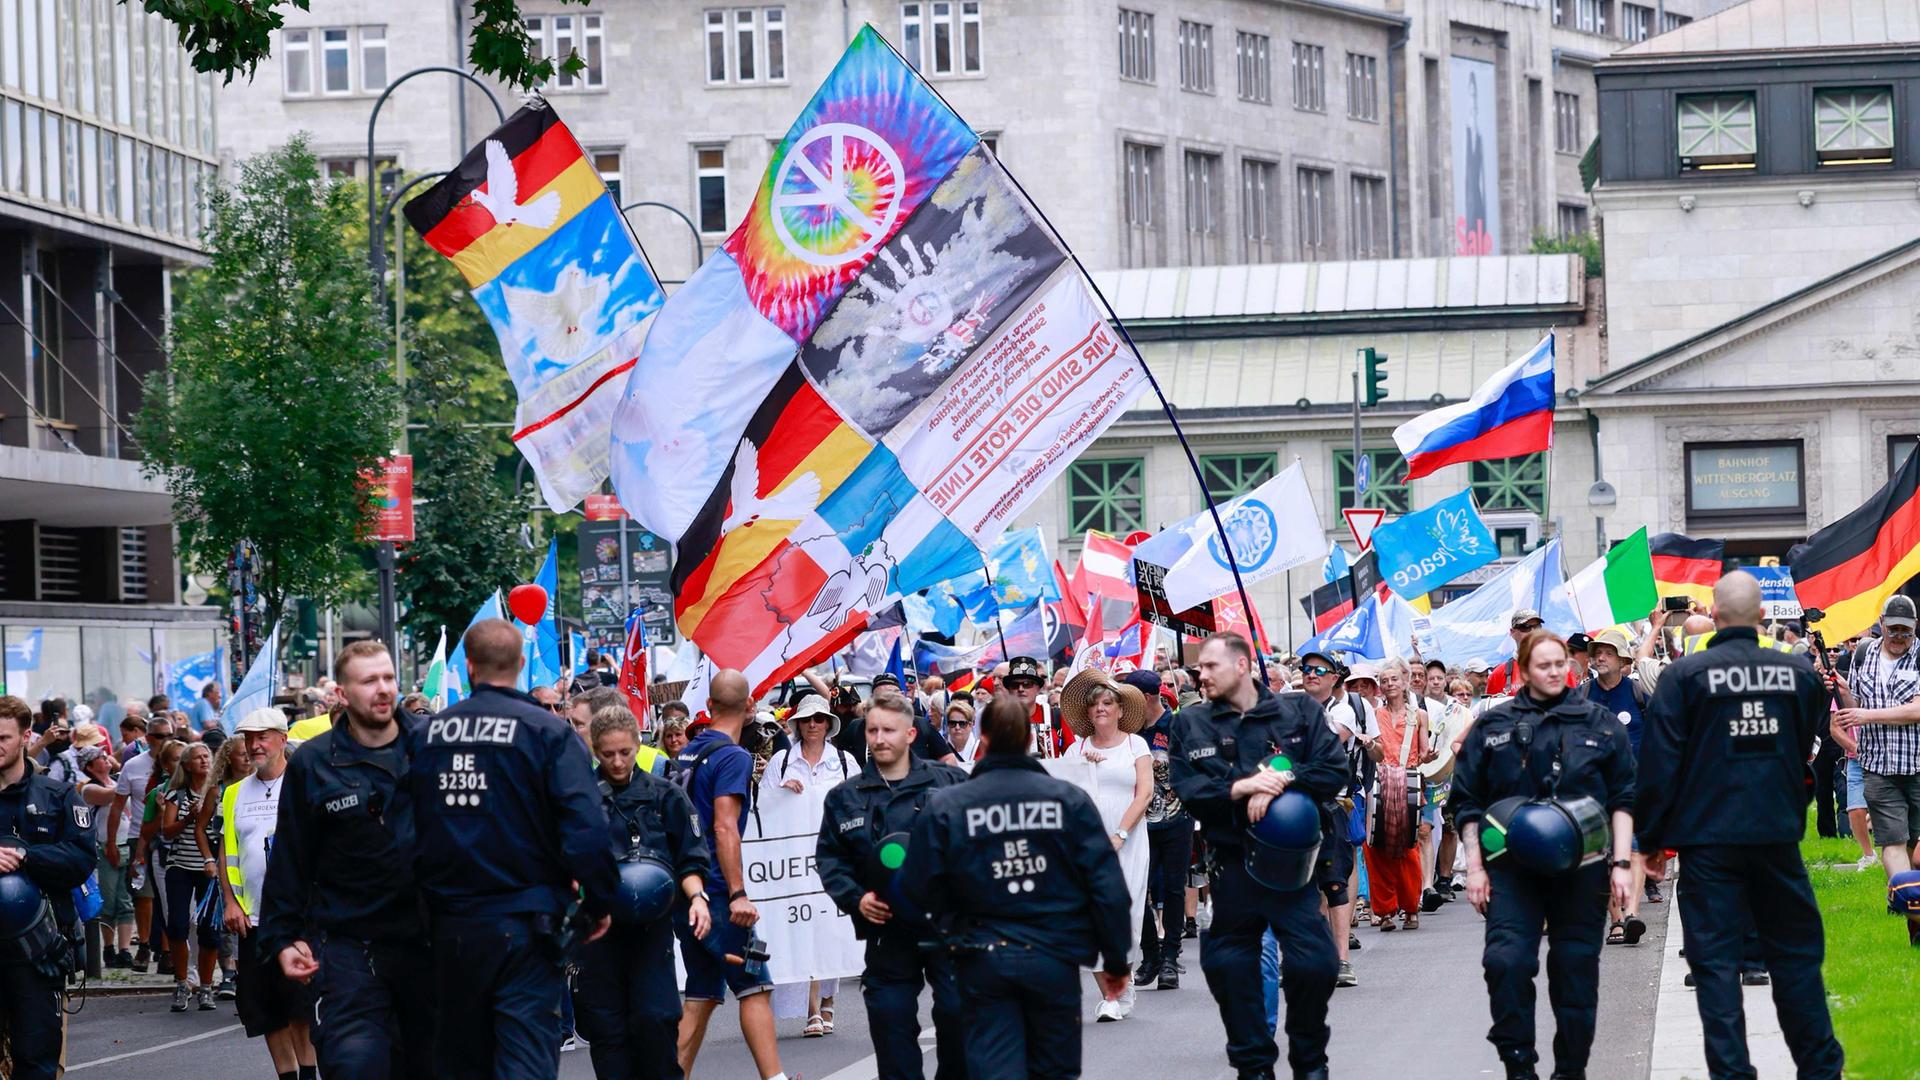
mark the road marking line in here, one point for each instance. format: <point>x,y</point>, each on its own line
<point>867,1068</point>
<point>155,1049</point>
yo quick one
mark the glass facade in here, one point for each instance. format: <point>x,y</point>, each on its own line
<point>98,662</point>
<point>102,117</point>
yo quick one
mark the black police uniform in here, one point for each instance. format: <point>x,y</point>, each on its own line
<point>339,878</point>
<point>859,813</point>
<point>626,1002</point>
<point>1517,749</point>
<point>1213,746</point>
<point>48,818</point>
<point>506,817</point>
<point>1021,865</point>
<point>1722,770</point>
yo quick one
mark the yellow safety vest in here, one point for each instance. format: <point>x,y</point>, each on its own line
<point>1700,641</point>
<point>649,759</point>
<point>230,842</point>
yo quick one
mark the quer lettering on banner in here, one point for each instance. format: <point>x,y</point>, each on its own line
<point>807,936</point>
<point>1051,379</point>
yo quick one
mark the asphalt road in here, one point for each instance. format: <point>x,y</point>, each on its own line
<point>1420,1010</point>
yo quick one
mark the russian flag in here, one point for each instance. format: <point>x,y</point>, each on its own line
<point>1510,415</point>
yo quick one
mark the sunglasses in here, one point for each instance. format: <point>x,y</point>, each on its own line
<point>1898,631</point>
<point>811,720</point>
<point>1314,671</point>
<point>1528,627</point>
<point>959,723</point>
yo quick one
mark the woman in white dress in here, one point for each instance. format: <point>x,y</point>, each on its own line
<point>1105,716</point>
<point>811,763</point>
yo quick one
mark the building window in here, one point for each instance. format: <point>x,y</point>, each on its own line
<point>1107,495</point>
<point>1636,22</point>
<point>1854,127</point>
<point>561,37</point>
<point>1386,487</point>
<point>1590,15</point>
<point>607,164</point>
<point>1745,480</point>
<point>1230,476</point>
<point>296,61</point>
<point>1717,131</point>
<point>941,38</point>
<point>1573,221</point>
<point>1363,87</point>
<point>1670,20</point>
<point>373,58</point>
<point>1260,211</point>
<point>1196,57</point>
<point>1518,483</point>
<point>1146,231</point>
<point>1206,209</point>
<point>710,184</point>
<point>746,45</point>
<point>1369,217</point>
<point>1899,449</point>
<point>336,61</point>
<point>1253,60</point>
<point>1566,123</point>
<point>1136,45</point>
<point>1315,214</point>
<point>1309,77</point>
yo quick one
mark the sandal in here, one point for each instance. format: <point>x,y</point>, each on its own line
<point>1617,933</point>
<point>826,1016</point>
<point>815,1028</point>
<point>1635,929</point>
<point>1384,922</point>
<point>1410,920</point>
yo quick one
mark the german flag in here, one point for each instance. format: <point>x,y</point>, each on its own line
<point>530,171</point>
<point>1683,566</point>
<point>1329,603</point>
<point>1849,568</point>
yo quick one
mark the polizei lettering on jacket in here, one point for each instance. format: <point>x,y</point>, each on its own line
<point>1751,679</point>
<point>1036,816</point>
<point>472,729</point>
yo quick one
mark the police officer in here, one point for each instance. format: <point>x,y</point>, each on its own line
<point>1545,742</point>
<point>884,801</point>
<point>1721,781</point>
<point>1022,868</point>
<point>627,1004</point>
<point>339,909</point>
<point>1221,749</point>
<point>507,819</point>
<point>46,847</point>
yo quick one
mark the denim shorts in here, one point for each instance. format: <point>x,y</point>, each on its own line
<point>708,977</point>
<point>1856,786</point>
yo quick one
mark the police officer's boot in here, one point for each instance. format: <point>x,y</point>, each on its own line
<point>1520,1070</point>
<point>1569,1074</point>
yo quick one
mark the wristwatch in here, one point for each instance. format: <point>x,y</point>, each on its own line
<point>1621,864</point>
<point>1122,834</point>
<point>735,895</point>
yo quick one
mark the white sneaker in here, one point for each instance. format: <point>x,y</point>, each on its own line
<point>1203,915</point>
<point>1108,1012</point>
<point>1867,862</point>
<point>1127,1001</point>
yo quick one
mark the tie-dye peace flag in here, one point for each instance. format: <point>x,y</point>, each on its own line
<point>533,229</point>
<point>884,364</point>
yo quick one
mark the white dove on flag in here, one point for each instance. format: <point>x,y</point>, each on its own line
<point>745,506</point>
<point>501,196</point>
<point>559,318</point>
<point>1453,531</point>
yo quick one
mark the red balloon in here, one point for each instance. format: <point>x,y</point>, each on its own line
<point>528,603</point>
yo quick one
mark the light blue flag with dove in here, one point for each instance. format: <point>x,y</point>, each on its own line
<point>1421,551</point>
<point>257,689</point>
<point>1337,565</point>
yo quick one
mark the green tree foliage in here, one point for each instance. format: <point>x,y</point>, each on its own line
<point>1586,245</point>
<point>278,399</point>
<point>231,37</point>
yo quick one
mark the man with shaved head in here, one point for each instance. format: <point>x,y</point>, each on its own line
<point>718,775</point>
<point>1728,733</point>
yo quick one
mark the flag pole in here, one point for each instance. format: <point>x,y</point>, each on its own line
<point>1226,545</point>
<point>1546,481</point>
<point>987,572</point>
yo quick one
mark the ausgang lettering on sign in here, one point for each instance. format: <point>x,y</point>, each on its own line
<point>1037,816</point>
<point>1755,679</point>
<point>472,729</point>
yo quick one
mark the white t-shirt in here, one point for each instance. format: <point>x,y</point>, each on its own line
<point>1340,717</point>
<point>133,784</point>
<point>256,810</point>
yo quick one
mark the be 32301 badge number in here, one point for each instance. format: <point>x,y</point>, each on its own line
<point>465,784</point>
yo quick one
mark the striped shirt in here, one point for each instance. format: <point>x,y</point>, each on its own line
<point>1880,681</point>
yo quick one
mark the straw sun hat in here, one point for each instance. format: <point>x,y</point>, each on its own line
<point>1073,703</point>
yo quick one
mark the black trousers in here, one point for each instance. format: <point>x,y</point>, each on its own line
<point>1230,956</point>
<point>1829,791</point>
<point>498,984</point>
<point>1023,1013</point>
<point>896,969</point>
<point>30,1021</point>
<point>627,1005</point>
<point>1169,850</point>
<point>1572,912</point>
<point>1719,887</point>
<point>373,1002</point>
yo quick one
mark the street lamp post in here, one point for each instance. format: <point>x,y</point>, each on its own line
<point>386,558</point>
<point>699,249</point>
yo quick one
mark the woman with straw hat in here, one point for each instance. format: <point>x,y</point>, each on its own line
<point>1105,717</point>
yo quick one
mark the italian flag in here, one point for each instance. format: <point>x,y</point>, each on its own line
<point>1617,588</point>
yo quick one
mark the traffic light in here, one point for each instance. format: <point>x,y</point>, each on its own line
<point>1374,380</point>
<point>304,642</point>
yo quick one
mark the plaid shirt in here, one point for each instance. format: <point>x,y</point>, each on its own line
<point>1880,682</point>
